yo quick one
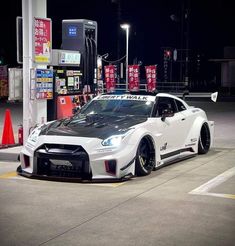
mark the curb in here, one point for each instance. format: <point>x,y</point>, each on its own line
<point>10,154</point>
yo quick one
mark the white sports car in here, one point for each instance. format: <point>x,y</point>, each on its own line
<point>117,136</point>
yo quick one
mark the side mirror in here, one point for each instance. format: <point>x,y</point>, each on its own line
<point>76,110</point>
<point>167,113</point>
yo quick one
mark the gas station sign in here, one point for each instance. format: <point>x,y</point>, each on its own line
<point>44,84</point>
<point>41,86</point>
<point>69,58</point>
<point>42,40</point>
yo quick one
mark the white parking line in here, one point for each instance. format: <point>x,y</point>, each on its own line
<point>205,188</point>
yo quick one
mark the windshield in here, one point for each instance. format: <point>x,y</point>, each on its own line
<point>118,107</point>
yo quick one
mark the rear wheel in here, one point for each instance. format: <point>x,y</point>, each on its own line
<point>145,157</point>
<point>204,139</point>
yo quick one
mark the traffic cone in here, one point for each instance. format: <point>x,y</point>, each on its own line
<point>7,134</point>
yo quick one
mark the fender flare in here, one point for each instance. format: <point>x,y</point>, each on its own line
<point>139,134</point>
<point>196,129</point>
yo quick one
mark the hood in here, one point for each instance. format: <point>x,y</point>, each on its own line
<point>92,126</point>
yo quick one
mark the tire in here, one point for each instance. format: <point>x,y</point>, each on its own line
<point>145,157</point>
<point>204,141</point>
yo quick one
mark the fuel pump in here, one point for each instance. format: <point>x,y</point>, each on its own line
<point>74,67</point>
<point>81,35</point>
<point>67,84</point>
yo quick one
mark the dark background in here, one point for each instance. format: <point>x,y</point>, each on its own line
<point>211,26</point>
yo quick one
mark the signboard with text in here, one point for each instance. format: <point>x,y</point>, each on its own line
<point>70,58</point>
<point>43,84</point>
<point>151,77</point>
<point>133,77</point>
<point>42,40</point>
<point>110,77</point>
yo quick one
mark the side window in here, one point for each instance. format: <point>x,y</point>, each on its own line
<point>180,105</point>
<point>165,103</point>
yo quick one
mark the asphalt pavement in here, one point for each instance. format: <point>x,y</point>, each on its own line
<point>191,202</point>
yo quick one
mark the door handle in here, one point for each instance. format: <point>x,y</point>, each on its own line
<point>183,119</point>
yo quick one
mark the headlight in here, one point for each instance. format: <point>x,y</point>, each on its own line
<point>113,141</point>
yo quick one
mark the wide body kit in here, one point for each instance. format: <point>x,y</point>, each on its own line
<point>95,146</point>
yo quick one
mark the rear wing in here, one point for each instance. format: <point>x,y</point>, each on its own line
<point>212,95</point>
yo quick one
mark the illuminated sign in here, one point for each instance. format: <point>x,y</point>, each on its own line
<point>42,40</point>
<point>72,31</point>
<point>44,83</point>
<point>70,58</point>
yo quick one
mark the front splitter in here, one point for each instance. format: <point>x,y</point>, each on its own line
<point>71,179</point>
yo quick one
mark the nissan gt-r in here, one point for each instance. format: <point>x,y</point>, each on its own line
<point>115,136</point>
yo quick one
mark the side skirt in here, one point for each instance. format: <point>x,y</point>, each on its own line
<point>176,160</point>
<point>177,152</point>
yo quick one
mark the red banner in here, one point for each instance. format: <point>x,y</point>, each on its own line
<point>134,77</point>
<point>110,77</point>
<point>151,77</point>
<point>42,40</point>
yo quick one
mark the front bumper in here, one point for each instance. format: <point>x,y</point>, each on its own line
<point>71,162</point>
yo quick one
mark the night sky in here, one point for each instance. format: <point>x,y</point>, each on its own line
<point>211,26</point>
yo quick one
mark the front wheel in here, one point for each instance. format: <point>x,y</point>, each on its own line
<point>204,139</point>
<point>145,156</point>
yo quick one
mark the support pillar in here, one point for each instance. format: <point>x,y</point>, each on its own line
<point>34,111</point>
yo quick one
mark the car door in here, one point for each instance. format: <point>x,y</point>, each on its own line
<point>187,119</point>
<point>171,127</point>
